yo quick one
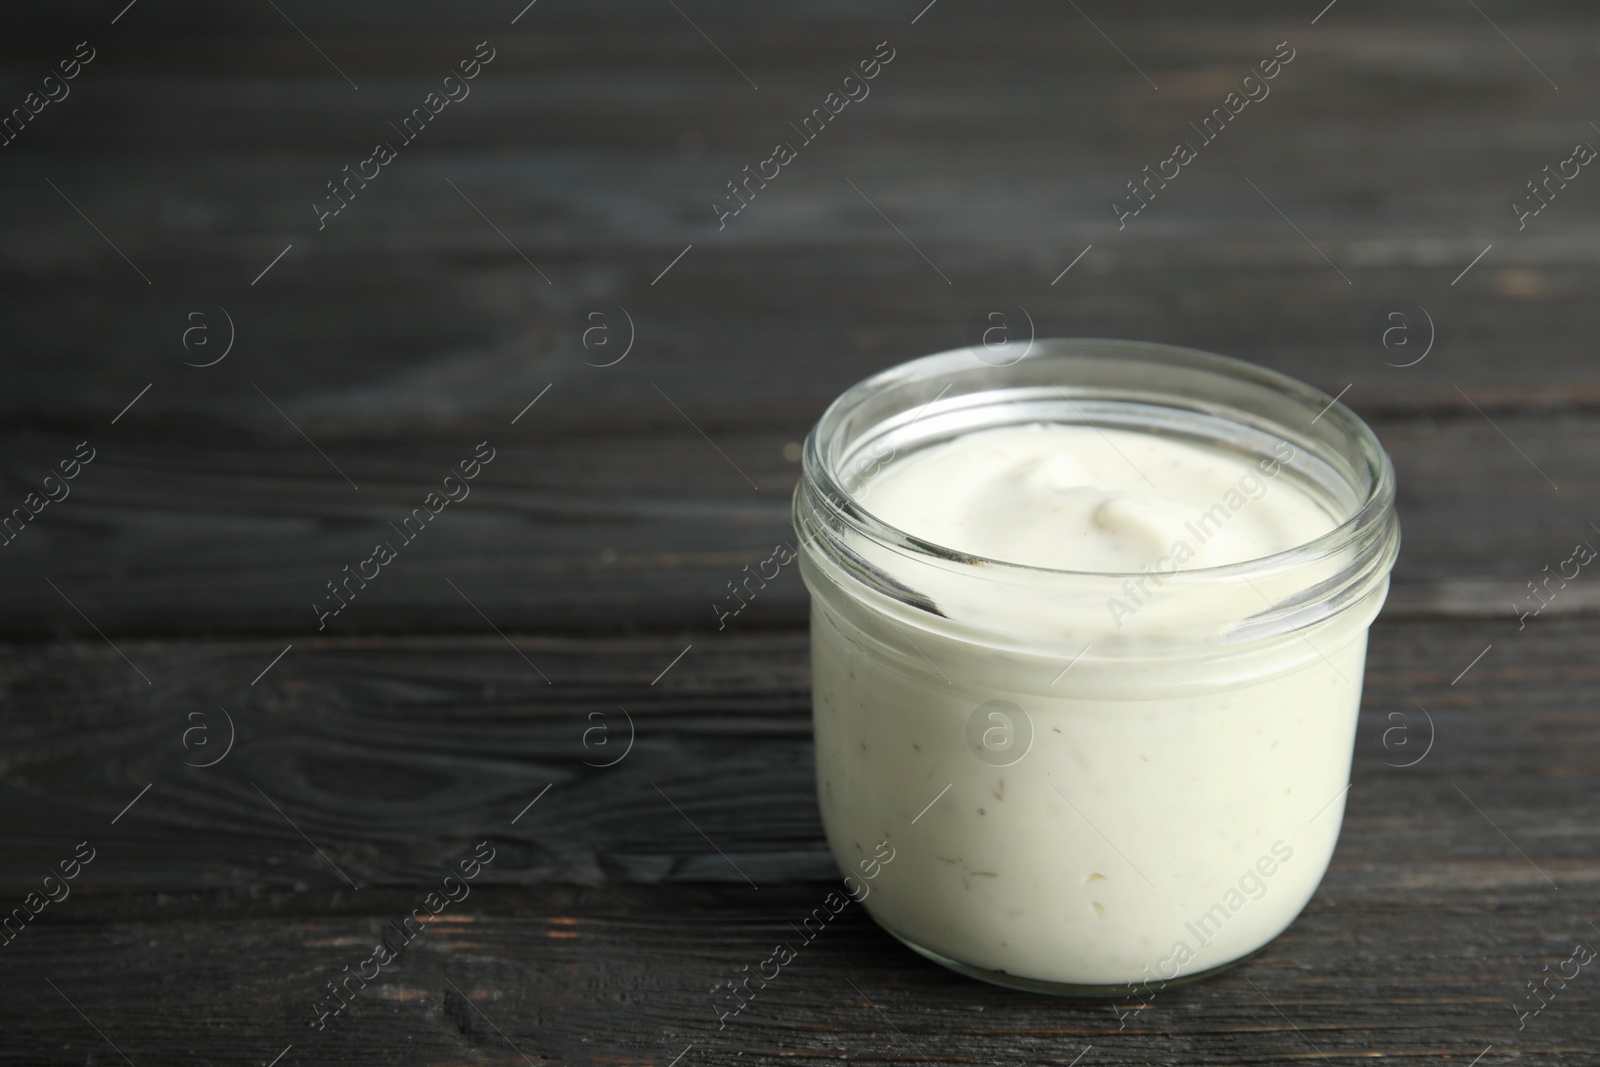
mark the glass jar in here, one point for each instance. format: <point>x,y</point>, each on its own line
<point>1081,800</point>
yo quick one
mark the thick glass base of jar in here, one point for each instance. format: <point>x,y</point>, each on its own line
<point>1064,989</point>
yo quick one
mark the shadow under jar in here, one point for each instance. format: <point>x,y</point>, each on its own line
<point>1090,778</point>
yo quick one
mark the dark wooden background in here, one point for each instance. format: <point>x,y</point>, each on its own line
<point>456,289</point>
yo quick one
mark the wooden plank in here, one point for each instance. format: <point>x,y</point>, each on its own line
<point>410,306</point>
<point>605,920</point>
<point>558,975</point>
<point>437,342</point>
<point>411,329</point>
<point>389,753</point>
<point>631,522</point>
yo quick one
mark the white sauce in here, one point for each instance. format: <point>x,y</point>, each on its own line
<point>1080,499</point>
<point>1167,818</point>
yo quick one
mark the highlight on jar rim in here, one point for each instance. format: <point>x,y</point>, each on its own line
<point>1088,631</point>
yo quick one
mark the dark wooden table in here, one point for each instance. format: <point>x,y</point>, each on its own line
<point>264,400</point>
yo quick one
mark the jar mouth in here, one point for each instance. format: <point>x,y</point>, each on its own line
<point>1185,395</point>
<point>1372,496</point>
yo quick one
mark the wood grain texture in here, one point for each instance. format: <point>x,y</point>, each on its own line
<point>394,756</point>
<point>616,976</point>
<point>1394,144</point>
<point>636,522</point>
<point>391,752</point>
<point>410,328</point>
<point>458,287</point>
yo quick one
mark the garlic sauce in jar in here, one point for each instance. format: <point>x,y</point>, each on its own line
<point>1087,643</point>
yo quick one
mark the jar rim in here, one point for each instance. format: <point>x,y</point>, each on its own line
<point>1376,496</point>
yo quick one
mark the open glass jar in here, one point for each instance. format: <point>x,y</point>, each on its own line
<point>1082,800</point>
